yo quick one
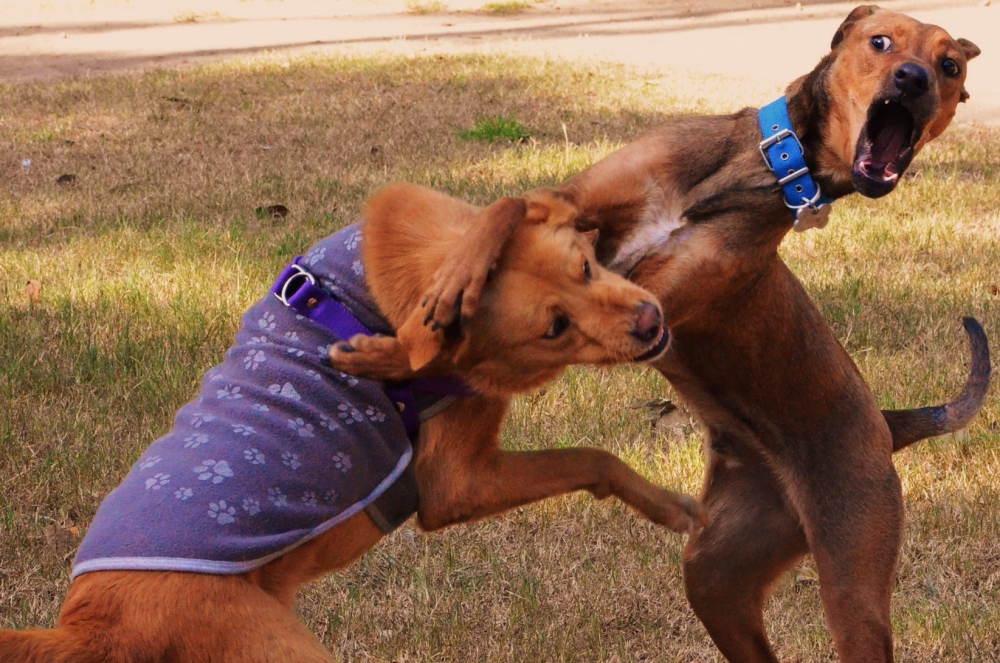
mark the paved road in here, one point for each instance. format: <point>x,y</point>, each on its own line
<point>764,48</point>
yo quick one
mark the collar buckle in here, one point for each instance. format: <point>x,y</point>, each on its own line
<point>787,162</point>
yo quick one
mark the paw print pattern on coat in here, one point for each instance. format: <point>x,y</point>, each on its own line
<point>157,481</point>
<point>309,498</point>
<point>198,419</point>
<point>295,351</point>
<point>349,379</point>
<point>195,440</point>
<point>301,427</point>
<point>353,240</point>
<point>374,414</point>
<point>313,374</point>
<point>222,512</point>
<point>349,415</point>
<point>286,390</point>
<point>251,506</point>
<point>315,256</point>
<point>276,497</point>
<point>330,496</point>
<point>342,461</point>
<point>183,494</point>
<point>291,336</point>
<point>244,430</point>
<point>255,456</point>
<point>291,460</point>
<point>357,268</point>
<point>258,340</point>
<point>216,471</point>
<point>229,393</point>
<point>328,423</point>
<point>260,407</point>
<point>266,322</point>
<point>149,462</point>
<point>324,350</point>
<point>254,359</point>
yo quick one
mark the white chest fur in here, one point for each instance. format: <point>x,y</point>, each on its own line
<point>652,233</point>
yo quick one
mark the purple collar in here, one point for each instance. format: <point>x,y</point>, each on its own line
<point>298,289</point>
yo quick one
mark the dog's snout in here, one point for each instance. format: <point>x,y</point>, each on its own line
<point>912,80</point>
<point>647,322</point>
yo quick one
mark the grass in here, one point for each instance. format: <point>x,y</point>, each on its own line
<point>506,8</point>
<point>494,129</point>
<point>149,257</point>
<point>425,7</point>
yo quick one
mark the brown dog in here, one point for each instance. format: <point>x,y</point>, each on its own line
<point>799,455</point>
<point>549,305</point>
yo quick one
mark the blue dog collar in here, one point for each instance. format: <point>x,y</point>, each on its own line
<point>782,152</point>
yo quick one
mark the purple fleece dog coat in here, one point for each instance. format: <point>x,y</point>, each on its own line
<point>277,449</point>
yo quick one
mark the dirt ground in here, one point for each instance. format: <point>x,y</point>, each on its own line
<point>763,44</point>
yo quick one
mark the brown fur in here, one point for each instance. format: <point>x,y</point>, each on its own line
<point>461,472</point>
<point>798,453</point>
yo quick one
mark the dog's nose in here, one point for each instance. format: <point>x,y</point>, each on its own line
<point>647,322</point>
<point>912,80</point>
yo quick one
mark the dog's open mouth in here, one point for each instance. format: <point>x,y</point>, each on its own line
<point>884,149</point>
<point>657,349</point>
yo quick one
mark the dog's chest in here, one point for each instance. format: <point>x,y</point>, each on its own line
<point>655,230</point>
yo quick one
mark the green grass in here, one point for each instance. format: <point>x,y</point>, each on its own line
<point>495,129</point>
<point>150,257</point>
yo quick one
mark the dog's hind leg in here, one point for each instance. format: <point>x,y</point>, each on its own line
<point>731,565</point>
<point>851,506</point>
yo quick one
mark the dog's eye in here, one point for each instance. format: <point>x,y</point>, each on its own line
<point>586,270</point>
<point>559,325</point>
<point>950,67</point>
<point>881,43</point>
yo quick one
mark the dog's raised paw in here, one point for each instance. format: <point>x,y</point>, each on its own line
<point>682,514</point>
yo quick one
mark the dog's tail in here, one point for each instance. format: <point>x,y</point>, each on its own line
<point>55,645</point>
<point>909,426</point>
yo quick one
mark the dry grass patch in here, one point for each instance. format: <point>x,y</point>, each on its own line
<point>149,255</point>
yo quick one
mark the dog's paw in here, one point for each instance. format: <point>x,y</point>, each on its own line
<point>678,512</point>
<point>372,358</point>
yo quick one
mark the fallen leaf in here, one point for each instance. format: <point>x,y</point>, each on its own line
<point>994,290</point>
<point>273,212</point>
<point>68,178</point>
<point>34,290</point>
<point>62,540</point>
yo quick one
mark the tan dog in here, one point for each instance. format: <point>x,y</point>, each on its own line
<point>799,455</point>
<point>549,305</point>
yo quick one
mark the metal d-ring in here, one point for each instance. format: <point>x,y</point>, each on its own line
<point>300,273</point>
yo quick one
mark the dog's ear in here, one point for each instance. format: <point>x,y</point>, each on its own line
<point>591,236</point>
<point>863,11</point>
<point>549,206</point>
<point>970,49</point>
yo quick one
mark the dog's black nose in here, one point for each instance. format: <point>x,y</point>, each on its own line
<point>912,80</point>
<point>647,322</point>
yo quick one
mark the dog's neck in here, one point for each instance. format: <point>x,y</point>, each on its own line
<point>809,107</point>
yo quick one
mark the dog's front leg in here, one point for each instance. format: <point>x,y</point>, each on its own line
<point>372,358</point>
<point>464,476</point>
